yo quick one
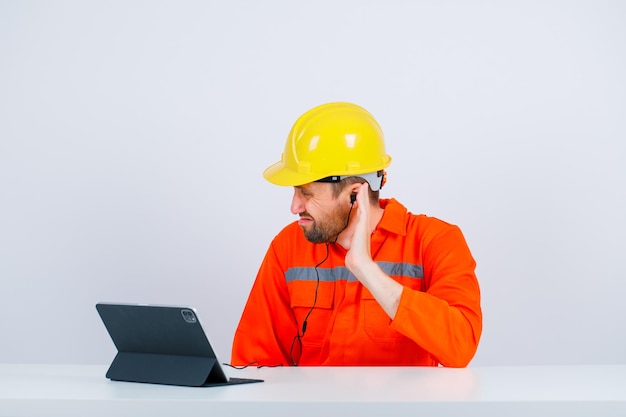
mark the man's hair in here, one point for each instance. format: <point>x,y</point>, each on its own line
<point>337,187</point>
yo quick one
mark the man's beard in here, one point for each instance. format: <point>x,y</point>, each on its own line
<point>327,231</point>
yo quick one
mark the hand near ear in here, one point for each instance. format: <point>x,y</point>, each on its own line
<point>359,260</point>
<point>359,249</point>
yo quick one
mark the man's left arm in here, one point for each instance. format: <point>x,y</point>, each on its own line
<point>446,320</point>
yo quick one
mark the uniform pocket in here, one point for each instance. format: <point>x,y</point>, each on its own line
<point>304,300</point>
<point>376,322</point>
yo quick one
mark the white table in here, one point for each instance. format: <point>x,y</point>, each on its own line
<point>83,390</point>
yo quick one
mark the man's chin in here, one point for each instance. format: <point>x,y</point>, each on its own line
<point>319,239</point>
<point>314,238</point>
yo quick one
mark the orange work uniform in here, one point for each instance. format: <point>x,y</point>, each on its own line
<point>438,321</point>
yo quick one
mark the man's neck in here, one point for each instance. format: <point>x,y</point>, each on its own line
<point>345,237</point>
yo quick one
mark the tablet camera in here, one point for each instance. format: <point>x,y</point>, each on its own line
<point>188,315</point>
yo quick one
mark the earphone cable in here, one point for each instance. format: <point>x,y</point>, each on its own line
<point>299,335</point>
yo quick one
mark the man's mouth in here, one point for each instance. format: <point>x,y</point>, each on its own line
<point>304,220</point>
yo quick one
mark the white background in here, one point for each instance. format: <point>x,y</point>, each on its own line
<point>133,135</point>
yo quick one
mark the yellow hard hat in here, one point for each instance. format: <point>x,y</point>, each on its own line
<point>331,141</point>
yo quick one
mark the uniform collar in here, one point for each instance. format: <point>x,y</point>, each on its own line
<point>393,219</point>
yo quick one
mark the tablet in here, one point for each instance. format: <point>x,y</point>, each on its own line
<point>162,345</point>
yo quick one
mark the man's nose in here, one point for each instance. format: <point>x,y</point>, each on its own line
<point>297,204</point>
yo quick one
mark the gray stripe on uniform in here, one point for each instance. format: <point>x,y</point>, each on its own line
<point>341,273</point>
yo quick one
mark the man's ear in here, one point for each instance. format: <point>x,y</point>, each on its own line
<point>354,189</point>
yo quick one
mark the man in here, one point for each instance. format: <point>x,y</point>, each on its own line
<point>357,280</point>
